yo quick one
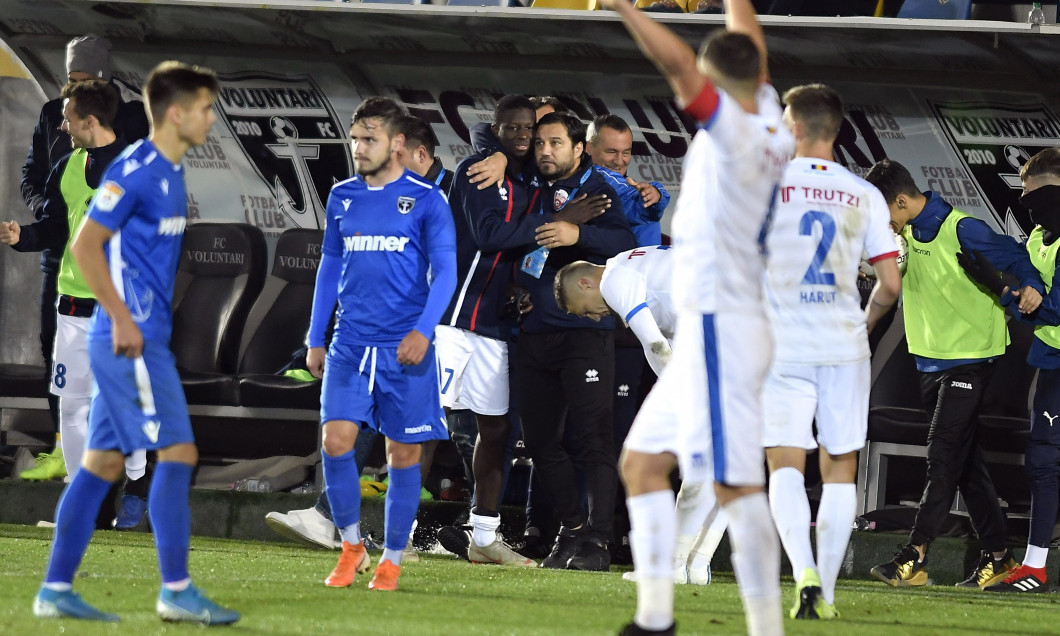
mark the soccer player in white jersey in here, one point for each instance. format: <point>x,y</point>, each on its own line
<point>128,249</point>
<point>825,220</point>
<point>636,285</point>
<point>723,347</point>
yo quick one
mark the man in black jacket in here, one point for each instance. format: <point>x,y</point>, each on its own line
<point>565,363</point>
<point>87,57</point>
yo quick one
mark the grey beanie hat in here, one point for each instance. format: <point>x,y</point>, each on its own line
<point>89,54</point>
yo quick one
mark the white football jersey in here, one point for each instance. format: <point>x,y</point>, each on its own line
<point>826,218</point>
<point>636,285</point>
<point>722,216</point>
<point>640,279</point>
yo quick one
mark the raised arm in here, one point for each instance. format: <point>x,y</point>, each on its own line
<point>670,54</point>
<point>740,17</point>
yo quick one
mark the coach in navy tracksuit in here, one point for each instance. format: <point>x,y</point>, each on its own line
<point>564,363</point>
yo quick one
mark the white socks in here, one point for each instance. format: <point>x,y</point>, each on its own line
<point>136,465</point>
<point>756,562</point>
<point>73,429</point>
<point>1035,557</point>
<point>653,527</point>
<point>791,514</point>
<point>484,529</point>
<point>835,519</point>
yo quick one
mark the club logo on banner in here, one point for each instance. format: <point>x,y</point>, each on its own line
<point>993,141</point>
<point>292,136</point>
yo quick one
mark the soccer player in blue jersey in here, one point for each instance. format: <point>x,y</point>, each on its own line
<point>389,260</point>
<point>128,250</point>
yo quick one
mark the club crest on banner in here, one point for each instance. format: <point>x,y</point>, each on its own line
<point>292,136</point>
<point>993,141</point>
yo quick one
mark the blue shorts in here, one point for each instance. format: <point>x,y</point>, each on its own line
<point>137,403</point>
<point>368,385</point>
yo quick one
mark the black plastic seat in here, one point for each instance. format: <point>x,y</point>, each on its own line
<point>221,273</point>
<point>277,326</point>
<point>23,380</point>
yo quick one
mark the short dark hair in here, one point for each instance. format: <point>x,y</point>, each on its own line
<point>548,100</point>
<point>575,127</point>
<point>610,120</point>
<point>383,108</point>
<point>891,179</point>
<point>508,103</point>
<point>171,82</point>
<point>734,55</point>
<point>1046,162</point>
<point>93,97</point>
<point>418,133</point>
<point>818,108</point>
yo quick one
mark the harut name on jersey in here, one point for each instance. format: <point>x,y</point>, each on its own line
<point>172,226</point>
<point>817,297</point>
<point>375,243</point>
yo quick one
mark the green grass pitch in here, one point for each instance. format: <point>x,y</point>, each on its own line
<point>279,589</point>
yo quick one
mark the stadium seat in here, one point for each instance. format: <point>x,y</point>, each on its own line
<point>23,381</point>
<point>578,5</point>
<point>936,9</point>
<point>221,272</point>
<point>277,325</point>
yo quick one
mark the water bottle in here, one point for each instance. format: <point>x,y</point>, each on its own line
<point>253,485</point>
<point>1036,16</point>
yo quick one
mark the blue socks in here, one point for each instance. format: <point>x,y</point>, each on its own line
<point>75,520</point>
<point>402,503</point>
<point>167,507</point>
<point>343,488</point>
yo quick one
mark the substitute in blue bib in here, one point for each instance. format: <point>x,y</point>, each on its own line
<point>389,261</point>
<point>128,250</point>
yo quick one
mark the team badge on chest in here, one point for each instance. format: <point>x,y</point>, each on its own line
<point>559,198</point>
<point>405,204</point>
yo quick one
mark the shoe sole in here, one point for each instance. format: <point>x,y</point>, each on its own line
<point>997,578</point>
<point>453,545</point>
<point>807,608</point>
<point>290,533</point>
<point>45,609</point>
<point>172,614</point>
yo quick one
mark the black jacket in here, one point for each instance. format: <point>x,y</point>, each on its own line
<point>493,232</point>
<point>50,144</point>
<point>599,240</point>
<point>52,230</point>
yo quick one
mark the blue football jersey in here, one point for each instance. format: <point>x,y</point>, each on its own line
<point>143,201</point>
<point>383,236</point>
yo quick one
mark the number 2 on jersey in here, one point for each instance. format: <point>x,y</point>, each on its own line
<point>814,275</point>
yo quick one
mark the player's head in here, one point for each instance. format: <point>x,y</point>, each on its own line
<point>1041,188</point>
<point>417,153</point>
<point>179,98</point>
<point>547,104</point>
<point>610,142</point>
<point>814,113</point>
<point>513,124</point>
<point>732,62</point>
<point>376,135</point>
<point>88,57</point>
<point>899,190</point>
<point>558,145</point>
<point>577,290</point>
<point>89,107</point>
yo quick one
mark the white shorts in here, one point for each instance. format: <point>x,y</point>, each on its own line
<point>654,429</point>
<point>837,396</point>
<point>473,371</point>
<point>71,375</point>
<point>719,364</point>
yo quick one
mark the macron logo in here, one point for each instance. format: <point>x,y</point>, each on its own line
<point>424,428</point>
<point>151,428</point>
<point>592,375</point>
<point>375,243</point>
<point>346,204</point>
<point>172,226</point>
